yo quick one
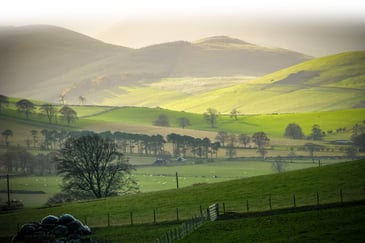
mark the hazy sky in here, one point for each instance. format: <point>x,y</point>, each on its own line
<point>314,27</point>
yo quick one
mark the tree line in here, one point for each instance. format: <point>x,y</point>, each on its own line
<point>50,111</point>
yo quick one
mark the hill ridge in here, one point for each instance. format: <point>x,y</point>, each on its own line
<point>48,60</point>
<point>221,39</point>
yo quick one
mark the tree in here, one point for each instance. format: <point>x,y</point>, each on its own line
<point>92,166</point>
<point>221,137</point>
<point>211,117</point>
<point>50,111</point>
<point>312,147</point>
<point>244,139</point>
<point>3,101</point>
<point>62,98</point>
<point>68,114</point>
<point>234,113</point>
<point>279,165</point>
<point>25,106</point>
<point>317,133</point>
<point>294,131</point>
<point>214,149</point>
<point>352,152</point>
<point>358,136</point>
<point>184,122</point>
<point>34,135</point>
<point>162,121</point>
<point>260,139</point>
<point>231,150</point>
<point>6,134</point>
<point>359,141</point>
<point>82,99</point>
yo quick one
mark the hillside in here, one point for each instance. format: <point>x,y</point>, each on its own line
<point>31,55</point>
<point>140,120</point>
<point>43,62</point>
<point>326,83</point>
<point>327,181</point>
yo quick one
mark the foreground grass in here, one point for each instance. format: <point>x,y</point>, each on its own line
<point>329,225</point>
<point>326,180</point>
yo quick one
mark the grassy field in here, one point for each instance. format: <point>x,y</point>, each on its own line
<point>37,189</point>
<point>330,225</point>
<point>321,84</point>
<point>326,180</point>
<point>140,120</point>
<point>273,124</point>
<point>327,83</point>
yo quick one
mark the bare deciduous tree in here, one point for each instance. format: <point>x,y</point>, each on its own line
<point>50,111</point>
<point>91,166</point>
<point>211,116</point>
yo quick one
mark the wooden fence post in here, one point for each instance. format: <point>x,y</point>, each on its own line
<point>154,216</point>
<point>247,207</point>
<point>317,199</point>
<point>8,188</point>
<point>201,211</point>
<point>224,208</point>
<point>270,203</point>
<point>341,196</point>
<point>177,180</point>
<point>177,214</point>
<point>131,216</point>
<point>294,201</point>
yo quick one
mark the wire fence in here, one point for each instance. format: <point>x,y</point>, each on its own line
<point>267,204</point>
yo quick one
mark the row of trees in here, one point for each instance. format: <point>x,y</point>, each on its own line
<point>50,111</point>
<point>294,131</point>
<point>45,139</point>
<point>19,160</point>
<point>232,141</point>
<point>92,166</point>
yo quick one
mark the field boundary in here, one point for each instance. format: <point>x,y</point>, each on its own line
<point>236,215</point>
<point>188,227</point>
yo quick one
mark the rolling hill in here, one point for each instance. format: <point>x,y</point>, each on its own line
<point>327,83</point>
<point>43,62</point>
<point>31,55</point>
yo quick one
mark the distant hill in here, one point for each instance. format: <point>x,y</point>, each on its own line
<point>31,55</point>
<point>326,83</point>
<point>217,56</point>
<point>42,62</point>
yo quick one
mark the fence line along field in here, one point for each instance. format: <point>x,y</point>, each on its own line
<point>325,184</point>
<point>34,191</point>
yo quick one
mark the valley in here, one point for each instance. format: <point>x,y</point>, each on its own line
<point>187,116</point>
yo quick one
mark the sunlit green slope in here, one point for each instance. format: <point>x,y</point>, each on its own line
<point>327,83</point>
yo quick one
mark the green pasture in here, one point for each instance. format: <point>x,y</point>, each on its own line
<point>140,120</point>
<point>310,226</point>
<point>329,225</point>
<point>339,84</point>
<point>37,189</point>
<point>327,181</point>
<point>33,191</point>
<point>258,99</point>
<point>272,124</point>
